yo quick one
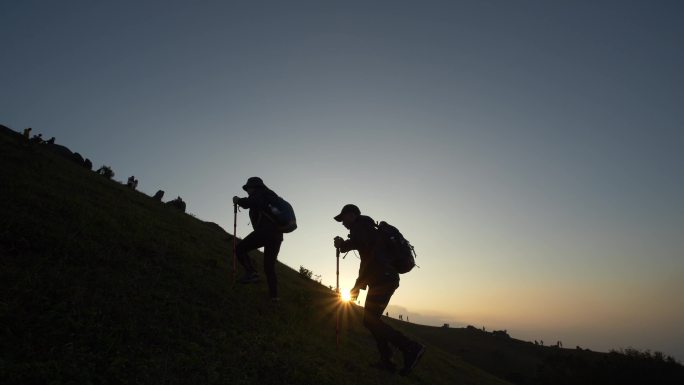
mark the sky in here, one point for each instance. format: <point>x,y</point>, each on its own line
<point>529,150</point>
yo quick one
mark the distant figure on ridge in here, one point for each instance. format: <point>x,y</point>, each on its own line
<point>132,182</point>
<point>379,275</point>
<point>27,133</point>
<point>266,234</point>
<point>51,141</point>
<point>37,139</point>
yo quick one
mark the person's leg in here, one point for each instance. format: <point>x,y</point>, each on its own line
<point>376,301</point>
<point>380,296</point>
<point>271,250</point>
<point>251,242</point>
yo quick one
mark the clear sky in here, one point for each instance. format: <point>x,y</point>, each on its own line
<point>530,150</point>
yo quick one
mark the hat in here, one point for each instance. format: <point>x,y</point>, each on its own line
<point>254,182</point>
<point>349,208</point>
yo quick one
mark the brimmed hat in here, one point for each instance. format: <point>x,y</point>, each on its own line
<point>349,208</point>
<point>254,182</point>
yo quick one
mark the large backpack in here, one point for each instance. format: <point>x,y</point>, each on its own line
<point>282,214</point>
<point>400,250</point>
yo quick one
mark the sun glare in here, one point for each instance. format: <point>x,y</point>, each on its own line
<point>345,295</point>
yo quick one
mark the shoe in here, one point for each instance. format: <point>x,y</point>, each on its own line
<point>386,365</point>
<point>249,278</point>
<point>411,358</point>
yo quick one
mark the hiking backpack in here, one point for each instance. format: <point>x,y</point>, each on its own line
<point>402,253</point>
<point>282,214</point>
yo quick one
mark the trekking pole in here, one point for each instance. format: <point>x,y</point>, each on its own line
<point>337,290</point>
<point>235,210</point>
<point>337,271</point>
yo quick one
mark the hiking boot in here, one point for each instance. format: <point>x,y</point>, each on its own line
<point>411,357</point>
<point>249,278</point>
<point>386,365</point>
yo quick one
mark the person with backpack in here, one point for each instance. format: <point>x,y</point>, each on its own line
<point>267,233</point>
<point>378,273</point>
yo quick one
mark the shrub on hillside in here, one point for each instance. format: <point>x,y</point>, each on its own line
<point>106,172</point>
<point>304,272</point>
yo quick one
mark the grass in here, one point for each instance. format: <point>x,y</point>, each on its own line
<point>101,284</point>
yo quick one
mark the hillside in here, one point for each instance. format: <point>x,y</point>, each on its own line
<point>102,284</point>
<point>525,363</point>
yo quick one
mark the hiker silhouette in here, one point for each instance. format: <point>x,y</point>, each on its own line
<point>266,234</point>
<point>36,139</point>
<point>376,273</point>
<point>132,182</point>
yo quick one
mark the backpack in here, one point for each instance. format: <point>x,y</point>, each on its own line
<point>402,253</point>
<point>282,214</point>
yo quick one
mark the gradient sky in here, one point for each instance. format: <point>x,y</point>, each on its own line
<point>530,150</point>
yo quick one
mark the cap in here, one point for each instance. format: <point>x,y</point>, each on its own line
<point>348,208</point>
<point>254,182</point>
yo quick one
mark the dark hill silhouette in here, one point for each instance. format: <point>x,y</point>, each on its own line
<point>523,362</point>
<point>102,284</point>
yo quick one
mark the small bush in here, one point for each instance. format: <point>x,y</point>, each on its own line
<point>305,273</point>
<point>106,172</point>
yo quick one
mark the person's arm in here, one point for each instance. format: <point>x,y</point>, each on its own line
<point>242,202</point>
<point>363,238</point>
<point>361,281</point>
<point>346,246</point>
<point>255,200</point>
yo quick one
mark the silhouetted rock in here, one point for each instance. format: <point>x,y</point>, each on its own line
<point>76,157</point>
<point>177,203</point>
<point>88,164</point>
<point>65,152</point>
<point>158,195</point>
<point>62,151</point>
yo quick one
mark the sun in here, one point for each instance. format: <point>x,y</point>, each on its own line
<point>345,295</point>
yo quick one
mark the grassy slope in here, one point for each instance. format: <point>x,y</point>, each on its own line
<point>508,358</point>
<point>101,284</point>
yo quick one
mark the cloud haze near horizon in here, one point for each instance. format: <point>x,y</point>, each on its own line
<point>530,151</point>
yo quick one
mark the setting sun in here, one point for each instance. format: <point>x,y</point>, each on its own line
<point>345,295</point>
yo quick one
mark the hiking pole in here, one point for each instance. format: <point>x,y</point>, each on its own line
<point>337,290</point>
<point>235,210</point>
